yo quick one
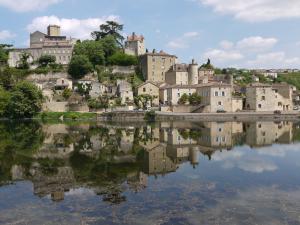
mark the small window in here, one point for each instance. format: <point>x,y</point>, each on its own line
<point>216,93</point>
<point>259,106</point>
<point>219,103</point>
<point>178,94</point>
<point>263,98</point>
<point>144,89</point>
<point>223,93</point>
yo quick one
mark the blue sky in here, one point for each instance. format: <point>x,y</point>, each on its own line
<point>248,34</point>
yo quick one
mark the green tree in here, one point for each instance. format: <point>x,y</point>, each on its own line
<point>46,60</point>
<point>122,59</point>
<point>195,99</point>
<point>4,54</point>
<point>25,101</point>
<point>109,28</point>
<point>144,100</point>
<point>23,62</point>
<point>67,93</point>
<point>93,50</point>
<point>4,101</point>
<point>110,45</point>
<point>79,66</point>
<point>183,99</point>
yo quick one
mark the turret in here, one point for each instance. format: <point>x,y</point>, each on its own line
<point>193,73</point>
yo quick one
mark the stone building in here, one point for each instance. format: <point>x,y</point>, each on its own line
<point>124,91</point>
<point>155,65</point>
<point>135,45</point>
<point>150,88</point>
<point>264,97</point>
<point>52,43</point>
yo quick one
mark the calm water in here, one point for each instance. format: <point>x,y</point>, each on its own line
<point>165,173</point>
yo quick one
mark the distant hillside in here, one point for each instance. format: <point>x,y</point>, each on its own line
<point>291,78</point>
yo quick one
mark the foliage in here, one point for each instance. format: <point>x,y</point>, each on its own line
<point>110,28</point>
<point>46,60</point>
<point>100,103</point>
<point>183,99</point>
<point>291,78</point>
<point>150,116</point>
<point>142,101</point>
<point>25,101</point>
<point>23,62</point>
<point>3,54</point>
<point>79,66</point>
<point>84,89</point>
<point>208,65</point>
<point>10,76</point>
<point>67,93</point>
<point>195,99</point>
<point>55,116</point>
<point>122,59</point>
<point>93,50</point>
<point>4,101</point>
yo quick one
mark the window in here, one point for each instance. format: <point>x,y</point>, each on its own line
<point>259,106</point>
<point>223,93</point>
<point>216,93</point>
<point>220,129</point>
<point>144,89</point>
<point>219,103</point>
<point>263,98</point>
<point>178,94</point>
<point>279,104</point>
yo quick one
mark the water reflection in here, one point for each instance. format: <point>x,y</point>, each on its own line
<point>115,161</point>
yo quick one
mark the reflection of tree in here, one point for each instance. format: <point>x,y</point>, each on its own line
<point>18,142</point>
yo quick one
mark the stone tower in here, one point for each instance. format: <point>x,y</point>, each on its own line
<point>53,30</point>
<point>193,73</point>
<point>135,45</point>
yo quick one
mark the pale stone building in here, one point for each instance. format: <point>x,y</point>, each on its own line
<point>124,91</point>
<point>264,97</point>
<point>51,43</point>
<point>135,45</point>
<point>149,88</point>
<point>155,65</point>
<point>183,74</point>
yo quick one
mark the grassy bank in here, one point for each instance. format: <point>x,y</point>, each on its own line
<point>66,116</point>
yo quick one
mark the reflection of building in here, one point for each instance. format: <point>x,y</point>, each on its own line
<point>267,133</point>
<point>53,184</point>
<point>56,142</point>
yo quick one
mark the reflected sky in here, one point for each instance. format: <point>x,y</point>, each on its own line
<point>164,173</point>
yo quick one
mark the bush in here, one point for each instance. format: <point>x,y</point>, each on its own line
<point>183,99</point>
<point>122,59</point>
<point>150,116</point>
<point>67,93</point>
<point>4,101</point>
<point>79,66</point>
<point>46,60</point>
<point>25,101</point>
<point>195,99</point>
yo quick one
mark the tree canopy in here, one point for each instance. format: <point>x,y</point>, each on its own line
<point>25,101</point>
<point>46,60</point>
<point>79,66</point>
<point>111,28</point>
<point>122,59</point>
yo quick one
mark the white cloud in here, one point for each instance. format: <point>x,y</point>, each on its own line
<point>274,60</point>
<point>226,44</point>
<point>256,43</point>
<point>27,5</point>
<point>256,10</point>
<point>6,35</point>
<point>70,27</point>
<point>220,56</point>
<point>183,41</point>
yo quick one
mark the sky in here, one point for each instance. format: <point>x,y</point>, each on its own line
<point>232,33</point>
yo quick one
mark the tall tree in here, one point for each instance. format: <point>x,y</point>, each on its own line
<point>111,28</point>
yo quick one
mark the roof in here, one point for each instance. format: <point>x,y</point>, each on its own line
<point>161,53</point>
<point>179,68</point>
<point>196,86</point>
<point>149,82</point>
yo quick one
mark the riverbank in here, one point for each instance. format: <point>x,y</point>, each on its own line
<point>217,117</point>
